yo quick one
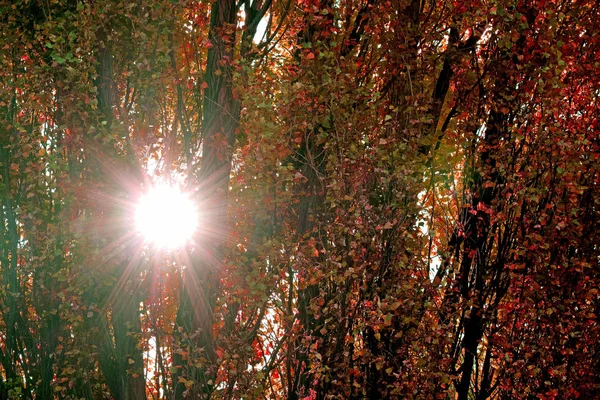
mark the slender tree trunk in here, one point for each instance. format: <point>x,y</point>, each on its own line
<point>124,355</point>
<point>473,332</point>
<point>221,113</point>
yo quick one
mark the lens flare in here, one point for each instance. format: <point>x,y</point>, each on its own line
<point>166,217</point>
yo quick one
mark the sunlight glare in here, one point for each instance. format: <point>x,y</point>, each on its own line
<point>166,217</point>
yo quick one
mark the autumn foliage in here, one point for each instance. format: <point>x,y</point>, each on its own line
<point>399,199</point>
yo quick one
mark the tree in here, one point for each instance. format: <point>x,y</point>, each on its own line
<point>399,199</point>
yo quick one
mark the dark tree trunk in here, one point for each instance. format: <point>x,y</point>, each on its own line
<point>124,356</point>
<point>221,113</point>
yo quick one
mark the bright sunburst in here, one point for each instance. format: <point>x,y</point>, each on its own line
<point>166,217</point>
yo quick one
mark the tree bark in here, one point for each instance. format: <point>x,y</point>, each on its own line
<point>221,113</point>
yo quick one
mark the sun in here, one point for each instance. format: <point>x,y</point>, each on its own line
<point>166,217</point>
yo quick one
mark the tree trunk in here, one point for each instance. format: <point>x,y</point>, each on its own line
<point>124,355</point>
<point>221,113</point>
